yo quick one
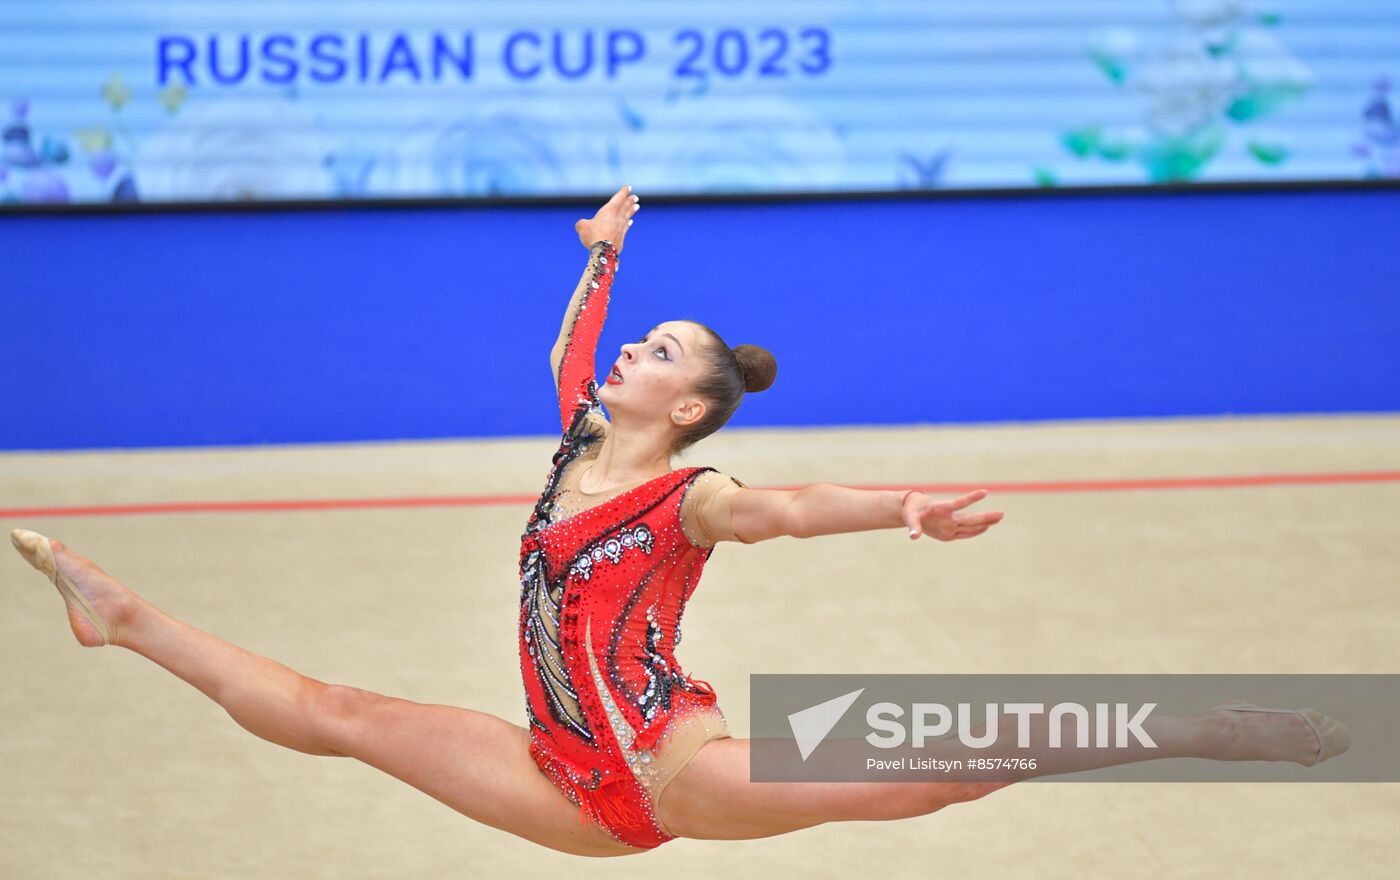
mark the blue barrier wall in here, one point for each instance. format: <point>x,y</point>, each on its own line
<point>174,329</point>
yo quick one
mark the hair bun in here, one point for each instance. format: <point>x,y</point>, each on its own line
<point>757,365</point>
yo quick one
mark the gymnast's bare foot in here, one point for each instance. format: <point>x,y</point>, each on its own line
<point>1263,736</point>
<point>115,604</point>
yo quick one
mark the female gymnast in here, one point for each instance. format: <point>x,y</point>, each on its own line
<point>622,751</point>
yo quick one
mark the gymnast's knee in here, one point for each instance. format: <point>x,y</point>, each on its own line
<point>343,711</point>
<point>937,795</point>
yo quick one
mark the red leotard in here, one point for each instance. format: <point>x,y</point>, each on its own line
<point>612,716</point>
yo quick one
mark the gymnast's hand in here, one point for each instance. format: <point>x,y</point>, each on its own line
<point>941,520</point>
<point>612,220</point>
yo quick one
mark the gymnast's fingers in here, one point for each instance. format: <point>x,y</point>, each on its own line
<point>991,517</point>
<point>969,498</point>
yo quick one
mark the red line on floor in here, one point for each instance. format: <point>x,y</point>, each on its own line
<point>275,505</point>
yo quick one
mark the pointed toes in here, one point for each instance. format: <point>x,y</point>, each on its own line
<point>26,542</point>
<point>1336,737</point>
<point>33,547</point>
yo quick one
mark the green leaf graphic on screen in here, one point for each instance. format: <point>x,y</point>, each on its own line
<point>1114,150</point>
<point>1268,153</point>
<point>1085,142</point>
<point>1221,48</point>
<point>1113,68</point>
<point>1216,73</point>
<point>1168,159</point>
<point>1262,101</point>
<point>1081,142</point>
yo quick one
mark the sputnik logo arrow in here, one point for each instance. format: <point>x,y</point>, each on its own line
<point>811,725</point>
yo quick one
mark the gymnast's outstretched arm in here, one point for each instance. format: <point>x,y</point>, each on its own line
<point>827,509</point>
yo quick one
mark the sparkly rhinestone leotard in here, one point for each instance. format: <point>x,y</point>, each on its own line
<point>605,578</point>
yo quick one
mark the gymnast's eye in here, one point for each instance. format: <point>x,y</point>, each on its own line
<point>665,356</point>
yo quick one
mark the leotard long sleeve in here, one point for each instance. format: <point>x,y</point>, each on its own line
<point>572,358</point>
<point>705,515</point>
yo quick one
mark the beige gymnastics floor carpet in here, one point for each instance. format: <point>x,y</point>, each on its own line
<point>114,768</point>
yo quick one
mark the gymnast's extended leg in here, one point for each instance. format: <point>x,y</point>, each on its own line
<point>474,762</point>
<point>712,797</point>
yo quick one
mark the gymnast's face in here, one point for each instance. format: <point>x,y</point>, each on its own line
<point>653,377</point>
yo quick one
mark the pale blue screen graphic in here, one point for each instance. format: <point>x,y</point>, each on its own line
<point>125,101</point>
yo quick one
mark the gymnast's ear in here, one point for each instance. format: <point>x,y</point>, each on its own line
<point>688,413</point>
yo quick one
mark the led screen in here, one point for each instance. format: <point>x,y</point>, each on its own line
<point>125,101</point>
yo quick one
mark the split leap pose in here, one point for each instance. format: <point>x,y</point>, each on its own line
<point>622,751</point>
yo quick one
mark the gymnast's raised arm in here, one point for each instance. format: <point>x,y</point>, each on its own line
<point>571,360</point>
